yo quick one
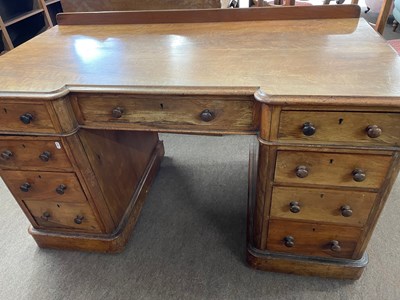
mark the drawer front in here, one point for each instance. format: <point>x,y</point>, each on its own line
<point>322,205</point>
<point>30,153</point>
<point>312,239</point>
<point>179,113</point>
<point>44,186</point>
<point>340,127</point>
<point>63,215</point>
<point>31,117</point>
<point>331,169</point>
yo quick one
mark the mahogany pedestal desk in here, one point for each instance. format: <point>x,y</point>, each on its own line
<point>81,106</point>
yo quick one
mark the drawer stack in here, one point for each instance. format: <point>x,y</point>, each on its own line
<point>41,178</point>
<point>81,189</point>
<point>323,178</point>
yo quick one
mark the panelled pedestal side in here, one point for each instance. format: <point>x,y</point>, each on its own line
<point>80,189</point>
<point>324,174</point>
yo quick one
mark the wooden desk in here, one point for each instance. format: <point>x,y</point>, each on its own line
<point>80,117</point>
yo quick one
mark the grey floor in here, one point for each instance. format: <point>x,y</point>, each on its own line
<point>189,242</point>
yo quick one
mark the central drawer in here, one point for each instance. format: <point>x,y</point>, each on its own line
<point>331,169</point>
<point>169,113</point>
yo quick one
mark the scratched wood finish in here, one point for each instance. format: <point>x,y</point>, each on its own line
<point>62,215</point>
<point>25,152</point>
<point>312,239</point>
<point>110,243</point>
<point>322,205</point>
<point>106,5</point>
<point>44,185</point>
<point>339,127</point>
<point>239,113</point>
<point>331,169</point>
<point>210,15</point>
<point>10,113</point>
<point>179,56</point>
<point>118,160</point>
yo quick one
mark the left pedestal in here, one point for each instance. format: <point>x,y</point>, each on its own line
<point>81,190</point>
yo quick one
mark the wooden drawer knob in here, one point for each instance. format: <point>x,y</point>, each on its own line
<point>288,241</point>
<point>346,211</point>
<point>25,187</point>
<point>6,154</point>
<point>335,246</point>
<point>45,216</point>
<point>359,175</point>
<point>206,115</point>
<point>294,207</point>
<point>309,129</point>
<point>26,118</point>
<point>45,156</point>
<point>61,189</point>
<point>301,171</point>
<point>117,112</point>
<point>79,219</point>
<point>373,131</point>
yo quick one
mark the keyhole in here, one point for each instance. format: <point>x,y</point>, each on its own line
<point>331,161</point>
<point>340,121</point>
<point>322,195</point>
<point>162,106</point>
<point>5,110</point>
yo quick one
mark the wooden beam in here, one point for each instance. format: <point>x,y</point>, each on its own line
<point>383,16</point>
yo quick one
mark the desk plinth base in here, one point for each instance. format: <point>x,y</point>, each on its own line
<point>112,243</point>
<point>293,264</point>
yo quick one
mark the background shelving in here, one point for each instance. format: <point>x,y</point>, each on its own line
<point>22,20</point>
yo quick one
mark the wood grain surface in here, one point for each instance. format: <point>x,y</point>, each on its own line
<point>158,113</point>
<point>331,169</point>
<point>211,15</point>
<point>322,205</point>
<point>62,215</point>
<point>43,186</point>
<point>312,239</point>
<point>340,127</point>
<point>26,151</point>
<point>106,5</point>
<point>282,57</point>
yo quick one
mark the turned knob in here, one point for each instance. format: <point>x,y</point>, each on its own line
<point>26,118</point>
<point>373,131</point>
<point>61,189</point>
<point>309,129</point>
<point>6,155</point>
<point>335,246</point>
<point>206,115</point>
<point>117,112</point>
<point>301,171</point>
<point>346,211</point>
<point>289,241</point>
<point>25,187</point>
<point>294,207</point>
<point>45,156</point>
<point>359,175</point>
<point>45,216</point>
<point>79,219</point>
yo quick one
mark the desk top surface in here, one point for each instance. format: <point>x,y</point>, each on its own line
<point>333,57</point>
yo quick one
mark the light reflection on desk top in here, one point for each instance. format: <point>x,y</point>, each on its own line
<point>342,57</point>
